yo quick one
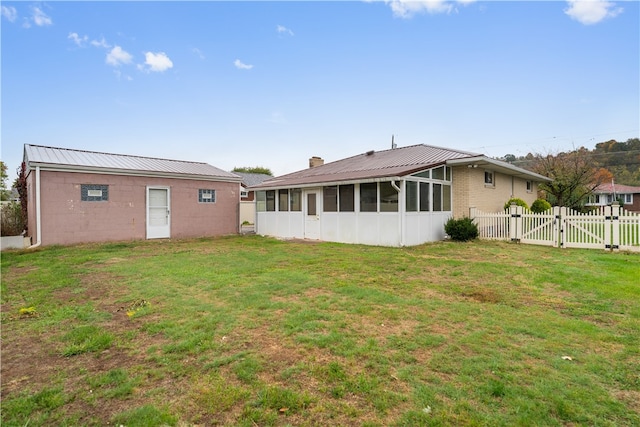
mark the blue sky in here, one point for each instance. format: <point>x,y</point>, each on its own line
<point>274,83</point>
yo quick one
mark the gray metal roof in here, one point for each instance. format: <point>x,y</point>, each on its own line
<point>395,162</point>
<point>53,158</point>
<point>251,179</point>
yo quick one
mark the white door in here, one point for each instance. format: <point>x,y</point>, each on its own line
<point>158,213</point>
<point>313,207</point>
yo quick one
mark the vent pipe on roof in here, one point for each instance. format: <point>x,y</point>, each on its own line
<point>393,144</point>
<point>316,161</point>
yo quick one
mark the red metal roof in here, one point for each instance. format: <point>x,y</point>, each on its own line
<point>612,188</point>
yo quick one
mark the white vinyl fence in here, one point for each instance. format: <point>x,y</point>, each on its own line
<point>609,227</point>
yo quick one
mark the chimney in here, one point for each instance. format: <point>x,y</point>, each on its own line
<point>315,161</point>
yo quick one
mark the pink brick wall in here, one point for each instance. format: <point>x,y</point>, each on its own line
<point>66,219</point>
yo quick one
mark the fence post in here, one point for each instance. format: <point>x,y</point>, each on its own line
<point>562,214</point>
<point>557,226</point>
<point>515,222</point>
<point>615,226</point>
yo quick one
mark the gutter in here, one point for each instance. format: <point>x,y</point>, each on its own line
<point>38,213</point>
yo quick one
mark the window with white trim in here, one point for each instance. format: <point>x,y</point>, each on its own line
<point>489,179</point>
<point>529,186</point>
<point>206,196</point>
<point>94,193</point>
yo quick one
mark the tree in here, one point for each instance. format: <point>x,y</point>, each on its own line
<point>574,175</point>
<point>256,169</point>
<point>21,185</point>
<point>4,193</point>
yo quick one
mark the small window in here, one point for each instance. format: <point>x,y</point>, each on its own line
<point>488,179</point>
<point>244,193</point>
<point>261,201</point>
<point>412,196</point>
<point>424,174</point>
<point>529,186</point>
<point>424,197</point>
<point>94,193</point>
<point>369,197</point>
<point>446,198</point>
<point>330,198</point>
<point>206,196</point>
<point>628,199</point>
<point>296,205</point>
<point>271,200</point>
<point>438,173</point>
<point>346,193</point>
<point>437,197</point>
<point>388,198</point>
<point>283,200</point>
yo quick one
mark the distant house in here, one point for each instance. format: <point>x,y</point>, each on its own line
<point>247,196</point>
<point>79,196</point>
<point>606,194</point>
<point>397,197</point>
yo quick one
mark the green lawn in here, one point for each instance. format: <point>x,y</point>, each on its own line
<point>254,331</point>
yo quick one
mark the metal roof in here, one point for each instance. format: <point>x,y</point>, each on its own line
<point>611,188</point>
<point>371,165</point>
<point>65,159</point>
<point>250,179</point>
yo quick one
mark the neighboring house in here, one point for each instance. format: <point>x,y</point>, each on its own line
<point>397,197</point>
<point>606,194</point>
<point>247,197</point>
<point>79,196</point>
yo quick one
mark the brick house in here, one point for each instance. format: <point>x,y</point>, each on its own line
<point>397,197</point>
<point>77,196</point>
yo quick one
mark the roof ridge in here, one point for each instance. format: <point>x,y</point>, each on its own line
<point>116,154</point>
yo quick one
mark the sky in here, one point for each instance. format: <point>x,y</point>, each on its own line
<point>272,84</point>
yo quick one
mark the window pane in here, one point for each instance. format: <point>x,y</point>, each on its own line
<point>412,196</point>
<point>206,196</point>
<point>330,198</point>
<point>271,200</point>
<point>94,193</point>
<point>446,197</point>
<point>369,197</point>
<point>261,201</point>
<point>424,174</point>
<point>448,169</point>
<point>296,205</point>
<point>388,198</point>
<point>283,200</point>
<point>424,197</point>
<point>488,177</point>
<point>346,198</point>
<point>437,197</point>
<point>438,173</point>
<point>311,204</point>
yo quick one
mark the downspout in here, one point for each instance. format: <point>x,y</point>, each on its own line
<point>38,217</point>
<point>401,205</point>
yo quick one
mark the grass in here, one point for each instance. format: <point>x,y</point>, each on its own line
<point>253,331</point>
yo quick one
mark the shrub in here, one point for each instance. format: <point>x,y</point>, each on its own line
<point>11,222</point>
<point>540,205</point>
<point>461,230</point>
<point>517,201</point>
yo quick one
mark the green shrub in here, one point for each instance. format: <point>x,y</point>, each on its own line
<point>12,222</point>
<point>540,205</point>
<point>517,201</point>
<point>461,230</point>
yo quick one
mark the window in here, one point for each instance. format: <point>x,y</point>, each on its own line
<point>437,197</point>
<point>296,200</point>
<point>424,197</point>
<point>206,196</point>
<point>244,193</point>
<point>488,179</point>
<point>388,198</point>
<point>446,197</point>
<point>271,200</point>
<point>424,174</point>
<point>369,197</point>
<point>529,186</point>
<point>346,193</point>
<point>330,198</point>
<point>438,173</point>
<point>411,188</point>
<point>283,200</point>
<point>627,198</point>
<point>94,193</point>
<point>261,201</point>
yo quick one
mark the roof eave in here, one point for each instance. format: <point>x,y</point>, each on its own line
<point>498,166</point>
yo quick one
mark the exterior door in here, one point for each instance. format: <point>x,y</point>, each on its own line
<point>313,207</point>
<point>158,213</point>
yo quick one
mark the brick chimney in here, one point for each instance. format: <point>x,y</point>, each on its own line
<point>315,161</point>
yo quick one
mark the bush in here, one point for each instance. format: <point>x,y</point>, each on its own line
<point>11,222</point>
<point>517,201</point>
<point>461,230</point>
<point>540,205</point>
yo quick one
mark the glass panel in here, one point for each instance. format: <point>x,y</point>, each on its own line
<point>271,200</point>
<point>446,197</point>
<point>296,205</point>
<point>261,201</point>
<point>311,204</point>
<point>283,200</point>
<point>437,197</point>
<point>346,198</point>
<point>369,197</point>
<point>330,198</point>
<point>158,207</point>
<point>388,198</point>
<point>424,197</point>
<point>438,173</point>
<point>424,174</point>
<point>448,169</point>
<point>412,196</point>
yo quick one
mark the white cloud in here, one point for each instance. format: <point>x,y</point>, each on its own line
<point>117,56</point>
<point>408,8</point>
<point>10,13</point>
<point>197,52</point>
<point>284,30</point>
<point>590,12</point>
<point>100,43</point>
<point>242,66</point>
<point>79,41</point>
<point>39,17</point>
<point>157,62</point>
